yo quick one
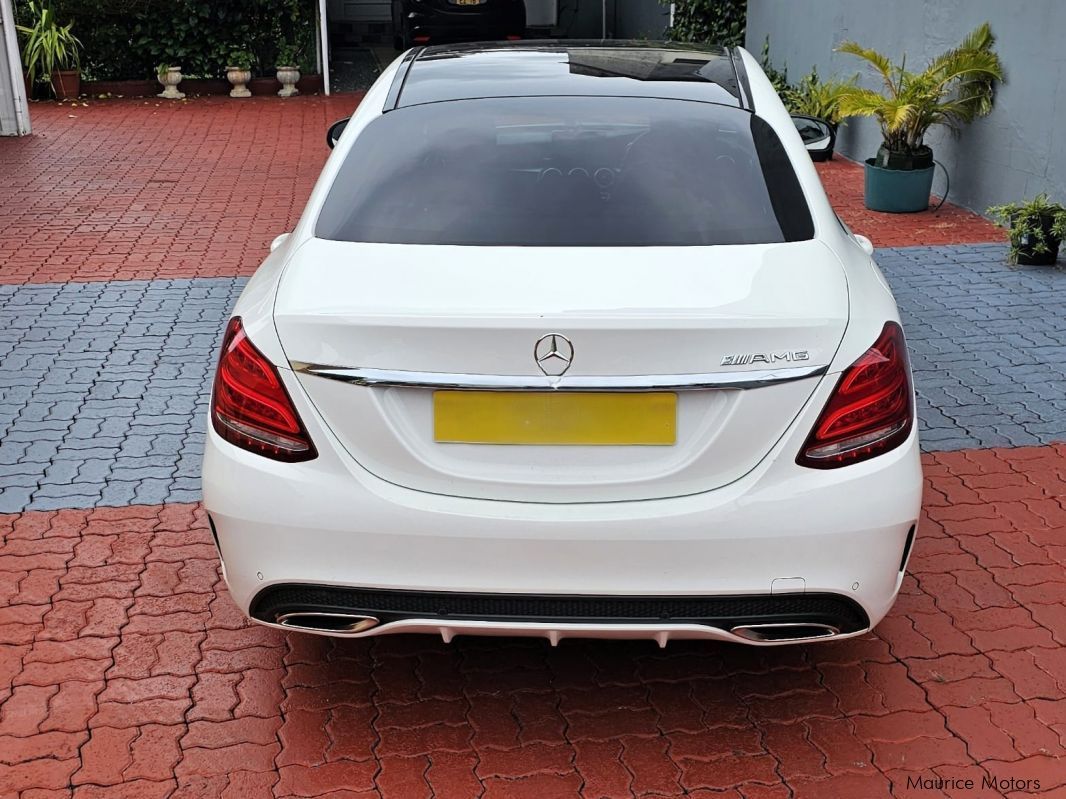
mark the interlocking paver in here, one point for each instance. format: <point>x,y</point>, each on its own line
<point>963,678</point>
<point>133,430</point>
<point>126,671</point>
<point>154,189</point>
<point>132,433</point>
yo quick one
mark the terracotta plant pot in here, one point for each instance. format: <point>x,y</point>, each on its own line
<point>170,80</point>
<point>239,79</point>
<point>287,77</point>
<point>66,84</point>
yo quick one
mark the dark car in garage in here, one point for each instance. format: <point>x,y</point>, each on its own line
<point>436,21</point>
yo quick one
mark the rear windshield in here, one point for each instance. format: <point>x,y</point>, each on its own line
<point>566,171</point>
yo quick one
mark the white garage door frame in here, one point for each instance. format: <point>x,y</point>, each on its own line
<point>323,45</point>
<point>13,95</point>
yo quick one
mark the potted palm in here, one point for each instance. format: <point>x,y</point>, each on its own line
<point>239,72</point>
<point>51,51</point>
<point>1037,227</point>
<point>954,88</point>
<point>288,71</point>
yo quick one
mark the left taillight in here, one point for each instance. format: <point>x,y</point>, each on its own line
<point>871,410</point>
<point>250,407</point>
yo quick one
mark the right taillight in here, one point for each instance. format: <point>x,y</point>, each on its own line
<point>871,410</point>
<point>250,407</point>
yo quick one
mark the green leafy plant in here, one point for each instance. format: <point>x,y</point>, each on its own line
<point>288,55</point>
<point>1036,226</point>
<point>714,21</point>
<point>126,39</point>
<point>954,89</point>
<point>47,45</point>
<point>778,77</point>
<point>818,98</point>
<point>162,69</point>
<point>239,59</point>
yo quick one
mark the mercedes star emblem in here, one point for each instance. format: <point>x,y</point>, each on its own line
<point>553,353</point>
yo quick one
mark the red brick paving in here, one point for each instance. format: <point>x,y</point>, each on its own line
<point>843,181</point>
<point>134,189</point>
<point>126,671</point>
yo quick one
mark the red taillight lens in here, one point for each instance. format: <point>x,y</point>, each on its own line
<point>250,407</point>
<point>871,410</point>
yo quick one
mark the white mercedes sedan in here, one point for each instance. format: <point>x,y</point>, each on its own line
<point>568,342</point>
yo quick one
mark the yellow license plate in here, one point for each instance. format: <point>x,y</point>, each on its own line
<point>468,2</point>
<point>552,417</point>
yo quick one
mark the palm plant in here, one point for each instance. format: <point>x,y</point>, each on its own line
<point>47,45</point>
<point>954,88</point>
<point>818,98</point>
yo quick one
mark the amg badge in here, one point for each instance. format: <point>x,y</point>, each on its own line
<point>746,358</point>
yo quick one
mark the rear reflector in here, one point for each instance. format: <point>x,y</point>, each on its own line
<point>871,410</point>
<point>250,407</point>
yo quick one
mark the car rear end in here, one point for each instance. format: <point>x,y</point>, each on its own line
<point>729,451</point>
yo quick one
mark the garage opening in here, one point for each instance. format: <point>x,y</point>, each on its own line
<point>360,42</point>
<point>364,36</point>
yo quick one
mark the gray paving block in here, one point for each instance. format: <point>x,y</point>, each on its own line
<point>100,387</point>
<point>118,373</point>
<point>988,345</point>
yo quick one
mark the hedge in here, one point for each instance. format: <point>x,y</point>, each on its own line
<point>715,21</point>
<point>127,39</point>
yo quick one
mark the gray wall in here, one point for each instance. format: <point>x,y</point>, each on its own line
<point>1013,153</point>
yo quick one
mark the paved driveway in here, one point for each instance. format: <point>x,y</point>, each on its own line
<point>128,228</point>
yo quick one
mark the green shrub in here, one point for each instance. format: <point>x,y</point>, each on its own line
<point>126,39</point>
<point>778,77</point>
<point>1035,225</point>
<point>816,97</point>
<point>714,21</point>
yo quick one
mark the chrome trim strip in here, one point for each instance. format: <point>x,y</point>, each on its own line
<point>442,380</point>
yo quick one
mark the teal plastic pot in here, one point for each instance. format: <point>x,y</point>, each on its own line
<point>898,191</point>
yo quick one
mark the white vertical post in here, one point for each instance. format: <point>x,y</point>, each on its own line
<point>323,52</point>
<point>10,47</point>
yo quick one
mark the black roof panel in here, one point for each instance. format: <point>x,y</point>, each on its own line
<point>550,68</point>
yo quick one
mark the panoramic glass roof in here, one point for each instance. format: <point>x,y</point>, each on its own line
<point>464,72</point>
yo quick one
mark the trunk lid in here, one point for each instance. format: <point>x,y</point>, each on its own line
<point>627,311</point>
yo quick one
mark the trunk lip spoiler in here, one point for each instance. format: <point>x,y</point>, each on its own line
<point>395,378</point>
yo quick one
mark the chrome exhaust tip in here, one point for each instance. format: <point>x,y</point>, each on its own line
<point>785,631</point>
<point>321,621</point>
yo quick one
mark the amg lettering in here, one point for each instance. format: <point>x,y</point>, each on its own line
<point>743,359</point>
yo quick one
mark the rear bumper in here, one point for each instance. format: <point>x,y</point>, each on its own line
<point>779,530</point>
<point>774,618</point>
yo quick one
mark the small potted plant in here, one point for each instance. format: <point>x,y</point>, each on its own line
<point>239,72</point>
<point>169,77</point>
<point>51,51</point>
<point>1037,227</point>
<point>288,71</point>
<point>954,88</point>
